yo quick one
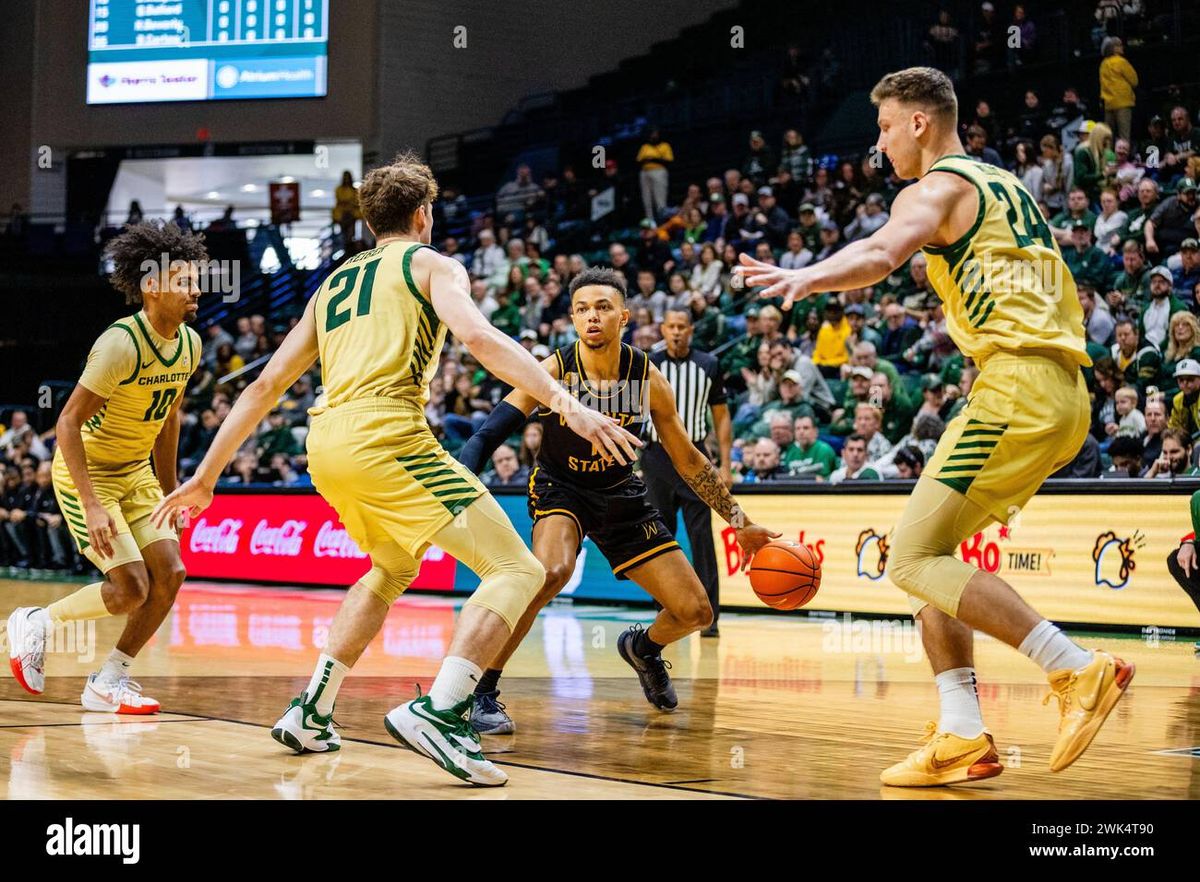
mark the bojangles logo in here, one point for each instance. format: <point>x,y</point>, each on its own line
<point>871,551</point>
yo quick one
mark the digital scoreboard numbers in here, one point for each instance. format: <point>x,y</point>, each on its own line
<point>198,50</point>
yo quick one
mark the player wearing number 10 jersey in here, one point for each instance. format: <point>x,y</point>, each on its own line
<point>1010,305</point>
<point>124,409</point>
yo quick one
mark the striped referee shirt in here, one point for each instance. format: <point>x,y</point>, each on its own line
<point>696,380</point>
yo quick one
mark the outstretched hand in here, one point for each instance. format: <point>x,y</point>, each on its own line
<point>789,284</point>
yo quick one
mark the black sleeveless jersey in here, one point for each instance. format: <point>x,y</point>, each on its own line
<point>568,456</point>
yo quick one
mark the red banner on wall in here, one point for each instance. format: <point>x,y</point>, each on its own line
<point>293,539</point>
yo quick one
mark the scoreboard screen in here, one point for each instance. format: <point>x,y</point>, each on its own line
<point>204,50</point>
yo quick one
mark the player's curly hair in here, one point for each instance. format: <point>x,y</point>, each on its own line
<point>390,194</point>
<point>145,243</point>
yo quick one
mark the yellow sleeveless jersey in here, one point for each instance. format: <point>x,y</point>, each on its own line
<point>1004,285</point>
<point>377,332</point>
<point>141,376</point>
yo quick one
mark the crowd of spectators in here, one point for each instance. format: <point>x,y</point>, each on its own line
<point>851,386</point>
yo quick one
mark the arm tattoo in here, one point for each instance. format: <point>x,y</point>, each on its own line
<point>707,484</point>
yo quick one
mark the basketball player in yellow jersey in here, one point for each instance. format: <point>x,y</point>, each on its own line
<point>1010,305</point>
<point>124,409</point>
<point>378,324</point>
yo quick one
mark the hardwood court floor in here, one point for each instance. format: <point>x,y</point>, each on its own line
<point>778,707</point>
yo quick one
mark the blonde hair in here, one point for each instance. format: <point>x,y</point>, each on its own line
<point>1126,392</point>
<point>925,87</point>
<point>391,194</point>
<point>1175,352</point>
<point>1099,141</point>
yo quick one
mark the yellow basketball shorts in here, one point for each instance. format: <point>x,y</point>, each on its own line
<point>128,496</point>
<point>376,462</point>
<point>1027,417</point>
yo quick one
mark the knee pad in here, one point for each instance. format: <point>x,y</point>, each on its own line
<point>388,582</point>
<point>511,583</point>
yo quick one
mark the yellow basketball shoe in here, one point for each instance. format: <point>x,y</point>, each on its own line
<point>1085,697</point>
<point>945,758</point>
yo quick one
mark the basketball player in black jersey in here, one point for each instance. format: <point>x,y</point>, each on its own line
<point>576,490</point>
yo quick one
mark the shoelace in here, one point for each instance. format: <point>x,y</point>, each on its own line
<point>1065,696</point>
<point>489,703</point>
<point>930,732</point>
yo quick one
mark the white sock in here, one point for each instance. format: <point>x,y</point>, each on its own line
<point>960,703</point>
<point>455,681</point>
<point>1053,650</point>
<point>325,683</point>
<point>115,667</point>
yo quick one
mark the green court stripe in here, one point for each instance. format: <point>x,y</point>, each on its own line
<point>986,313</point>
<point>428,485</point>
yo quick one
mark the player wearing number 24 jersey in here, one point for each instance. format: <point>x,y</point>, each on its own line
<point>1010,305</point>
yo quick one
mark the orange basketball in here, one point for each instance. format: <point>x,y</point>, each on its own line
<point>785,575</point>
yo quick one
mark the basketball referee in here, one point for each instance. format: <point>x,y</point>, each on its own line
<point>696,379</point>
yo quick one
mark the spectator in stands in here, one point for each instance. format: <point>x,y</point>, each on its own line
<point>820,192</point>
<point>831,241</point>
<point>1128,173</point>
<point>1086,463</point>
<point>1027,167</point>
<point>1066,117</point>
<point>945,44</point>
<point>1020,49</point>
<point>1057,170</point>
<point>1125,451</point>
<point>247,338</point>
<point>346,212</point>
<point>869,217</point>
<point>135,215</point>
<point>653,252</point>
<point>915,291</point>
<point>648,295</point>
<point>1172,222</point>
<point>854,462</point>
<point>1094,159</point>
<point>1137,364</point>
<point>481,294</point>
<point>1185,408</point>
<point>1118,79</point>
<point>900,333</point>
<point>196,443</point>
<point>977,146</point>
<point>989,41</point>
<point>764,463</point>
<point>506,470</point>
<point>1183,140</point>
<point>796,157</point>
<point>1147,202</point>
<point>1130,290</point>
<point>654,158</point>
<point>769,222</point>
<point>1130,421</point>
<point>1187,273</point>
<point>791,401</point>
<point>52,545</point>
<point>808,455</point>
<point>706,275</point>
<point>1155,320</point>
<point>20,432</point>
<point>860,333</point>
<point>760,161</point>
<point>488,259</point>
<point>1175,459</point>
<point>1111,222</point>
<point>909,462</point>
<point>224,224</point>
<point>1156,424</point>
<point>1097,320</point>
<point>516,196</point>
<point>1086,262</point>
<point>830,353</point>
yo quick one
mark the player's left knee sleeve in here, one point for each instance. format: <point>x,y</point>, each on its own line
<point>929,577</point>
<point>511,584</point>
<point>388,581</point>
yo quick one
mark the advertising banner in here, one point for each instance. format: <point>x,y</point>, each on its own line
<point>1094,558</point>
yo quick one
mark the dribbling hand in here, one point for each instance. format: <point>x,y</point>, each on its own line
<point>751,538</point>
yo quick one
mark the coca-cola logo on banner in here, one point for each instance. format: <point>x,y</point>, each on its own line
<point>287,539</point>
